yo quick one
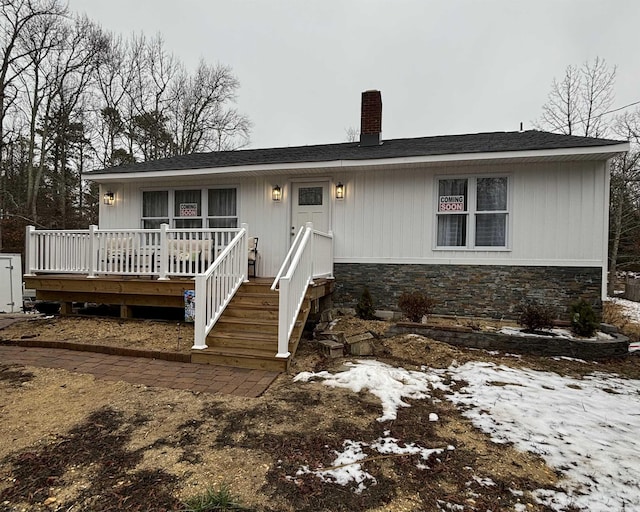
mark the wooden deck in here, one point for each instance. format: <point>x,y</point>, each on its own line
<point>245,336</point>
<point>120,291</point>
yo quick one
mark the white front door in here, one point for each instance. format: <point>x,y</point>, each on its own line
<point>310,203</point>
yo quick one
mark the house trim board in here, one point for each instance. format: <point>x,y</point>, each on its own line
<point>597,152</point>
<point>489,261</point>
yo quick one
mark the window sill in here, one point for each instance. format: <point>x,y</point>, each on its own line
<point>473,249</point>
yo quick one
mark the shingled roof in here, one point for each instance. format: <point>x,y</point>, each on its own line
<point>493,142</point>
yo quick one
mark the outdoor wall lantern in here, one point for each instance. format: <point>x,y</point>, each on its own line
<point>276,193</point>
<point>109,198</point>
<point>339,190</point>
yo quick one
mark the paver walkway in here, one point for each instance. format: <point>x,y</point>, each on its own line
<point>151,372</point>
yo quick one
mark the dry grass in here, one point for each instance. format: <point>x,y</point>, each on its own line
<point>614,314</point>
<point>76,443</point>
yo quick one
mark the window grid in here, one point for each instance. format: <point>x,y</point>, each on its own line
<point>166,206</point>
<point>482,221</point>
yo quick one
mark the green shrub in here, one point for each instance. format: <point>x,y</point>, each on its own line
<point>584,321</point>
<point>535,317</point>
<point>415,305</point>
<point>212,499</point>
<point>364,307</point>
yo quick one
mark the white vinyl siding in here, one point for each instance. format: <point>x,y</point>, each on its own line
<point>557,213</point>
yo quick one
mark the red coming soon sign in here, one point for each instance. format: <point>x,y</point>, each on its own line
<point>451,204</point>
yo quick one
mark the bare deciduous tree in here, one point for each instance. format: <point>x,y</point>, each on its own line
<point>576,105</point>
<point>72,94</point>
<point>624,211</point>
<point>353,134</point>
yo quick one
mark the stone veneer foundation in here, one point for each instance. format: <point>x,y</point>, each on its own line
<point>470,290</point>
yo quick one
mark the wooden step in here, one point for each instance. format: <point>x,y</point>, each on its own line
<point>254,287</point>
<point>260,299</point>
<point>259,338</point>
<point>231,341</point>
<point>246,335</point>
<point>255,312</point>
<point>240,359</point>
<point>242,326</point>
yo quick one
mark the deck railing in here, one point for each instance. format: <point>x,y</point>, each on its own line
<point>217,286</point>
<point>160,252</point>
<point>310,255</point>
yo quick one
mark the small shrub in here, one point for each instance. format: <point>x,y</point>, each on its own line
<point>415,305</point>
<point>212,499</point>
<point>584,321</point>
<point>535,317</point>
<point>364,307</point>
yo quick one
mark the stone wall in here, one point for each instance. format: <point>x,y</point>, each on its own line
<point>470,290</point>
<point>537,345</point>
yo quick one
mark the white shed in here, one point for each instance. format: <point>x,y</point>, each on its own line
<point>10,283</point>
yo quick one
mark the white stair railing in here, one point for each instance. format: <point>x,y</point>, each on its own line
<point>322,254</point>
<point>217,286</point>
<point>310,255</point>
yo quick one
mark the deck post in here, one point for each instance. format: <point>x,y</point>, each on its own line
<point>29,251</point>
<point>331,255</point>
<point>93,250</point>
<point>283,327</point>
<point>245,253</point>
<point>200,321</point>
<point>309,226</point>
<point>164,253</point>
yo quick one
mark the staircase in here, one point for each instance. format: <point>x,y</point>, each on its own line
<point>246,335</point>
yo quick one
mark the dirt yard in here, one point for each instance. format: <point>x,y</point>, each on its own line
<point>70,442</point>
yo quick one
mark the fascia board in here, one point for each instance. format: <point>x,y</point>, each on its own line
<point>607,151</point>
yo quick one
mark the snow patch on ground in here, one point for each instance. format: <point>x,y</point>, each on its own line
<point>346,467</point>
<point>391,385</point>
<point>631,309</point>
<point>556,333</point>
<point>586,428</point>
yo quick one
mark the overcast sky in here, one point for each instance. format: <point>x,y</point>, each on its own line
<point>443,67</point>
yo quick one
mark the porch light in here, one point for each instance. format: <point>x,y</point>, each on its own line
<point>339,190</point>
<point>276,193</point>
<point>109,198</point>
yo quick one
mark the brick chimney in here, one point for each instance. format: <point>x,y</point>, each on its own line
<point>371,119</point>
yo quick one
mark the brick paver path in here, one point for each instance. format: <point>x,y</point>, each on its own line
<point>151,372</point>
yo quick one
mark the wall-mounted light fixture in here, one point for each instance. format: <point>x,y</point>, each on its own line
<point>339,190</point>
<point>109,198</point>
<point>276,193</point>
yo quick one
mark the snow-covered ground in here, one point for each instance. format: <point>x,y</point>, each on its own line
<point>585,428</point>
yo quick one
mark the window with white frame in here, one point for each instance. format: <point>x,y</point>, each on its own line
<point>222,209</point>
<point>185,209</point>
<point>155,208</point>
<point>472,212</point>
